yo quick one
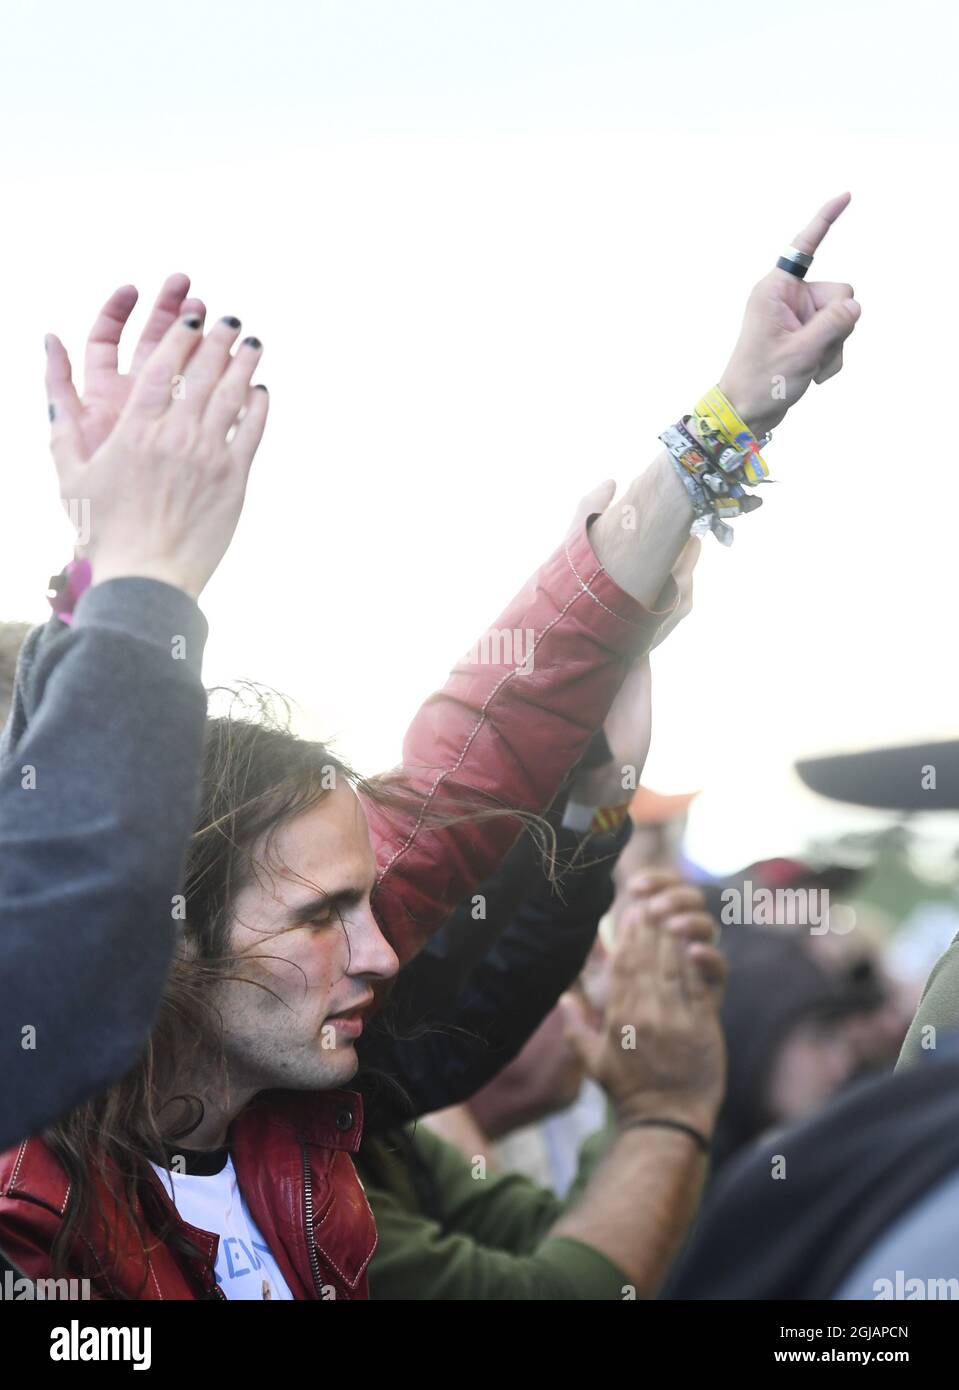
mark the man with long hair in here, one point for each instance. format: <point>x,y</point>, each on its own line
<point>306,887</point>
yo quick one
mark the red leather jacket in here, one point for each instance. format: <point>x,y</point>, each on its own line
<point>292,1155</point>
<point>510,732</point>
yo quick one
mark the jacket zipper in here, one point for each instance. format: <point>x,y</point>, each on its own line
<point>310,1235</point>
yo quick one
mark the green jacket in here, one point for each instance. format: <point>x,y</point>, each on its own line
<point>939,1006</point>
<point>447,1234</point>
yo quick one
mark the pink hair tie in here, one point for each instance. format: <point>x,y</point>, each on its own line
<point>67,586</point>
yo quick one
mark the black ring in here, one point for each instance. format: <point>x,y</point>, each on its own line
<point>793,267</point>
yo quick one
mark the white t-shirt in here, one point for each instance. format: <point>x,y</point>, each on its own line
<point>245,1268</point>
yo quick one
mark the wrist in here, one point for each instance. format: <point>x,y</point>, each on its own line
<point>638,542</point>
<point>643,1109</point>
<point>108,568</point>
<point>760,415</point>
<point>677,1132</point>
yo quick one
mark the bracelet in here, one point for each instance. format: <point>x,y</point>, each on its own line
<point>686,459</point>
<point>722,423</point>
<point>716,464</point>
<point>700,1139</point>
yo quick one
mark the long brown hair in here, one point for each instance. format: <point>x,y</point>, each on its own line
<point>258,775</point>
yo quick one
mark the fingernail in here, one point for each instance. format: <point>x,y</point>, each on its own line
<point>230,321</point>
<point>259,386</point>
<point>252,343</point>
<point>854,307</point>
<point>51,411</point>
<point>192,322</point>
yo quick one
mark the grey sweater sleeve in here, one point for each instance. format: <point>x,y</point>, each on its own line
<point>99,781</point>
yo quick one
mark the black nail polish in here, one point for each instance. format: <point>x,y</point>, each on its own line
<point>259,386</point>
<point>253,343</point>
<point>51,411</point>
<point>230,321</point>
<point>193,321</point>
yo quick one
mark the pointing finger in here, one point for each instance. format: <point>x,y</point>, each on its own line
<point>811,237</point>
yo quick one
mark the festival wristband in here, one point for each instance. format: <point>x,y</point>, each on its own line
<point>720,420</point>
<point>705,518</point>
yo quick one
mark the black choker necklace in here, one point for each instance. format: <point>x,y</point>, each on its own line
<point>202,1163</point>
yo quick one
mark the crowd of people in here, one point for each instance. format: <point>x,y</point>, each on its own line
<point>271,1026</point>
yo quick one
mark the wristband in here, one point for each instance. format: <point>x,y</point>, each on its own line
<point>700,1139</point>
<point>716,464</point>
<point>687,458</point>
<point>721,421</point>
<point>65,588</point>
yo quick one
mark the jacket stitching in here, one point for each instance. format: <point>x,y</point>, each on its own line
<point>587,590</point>
<point>99,1265</point>
<point>584,588</point>
<point>401,849</point>
<point>350,1283</point>
<point>16,1167</point>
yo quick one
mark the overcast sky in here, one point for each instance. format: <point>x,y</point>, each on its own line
<point>492,250</point>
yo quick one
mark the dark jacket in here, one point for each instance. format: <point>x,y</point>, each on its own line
<point>791,1219</point>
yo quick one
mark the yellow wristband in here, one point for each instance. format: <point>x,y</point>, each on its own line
<point>716,416</point>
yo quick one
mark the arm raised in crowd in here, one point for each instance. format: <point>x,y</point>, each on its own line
<point>503,732</point>
<point>485,983</point>
<point>102,753</point>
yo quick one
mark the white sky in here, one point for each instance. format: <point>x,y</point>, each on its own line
<point>493,249</point>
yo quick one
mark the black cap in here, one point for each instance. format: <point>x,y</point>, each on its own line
<point>920,777</point>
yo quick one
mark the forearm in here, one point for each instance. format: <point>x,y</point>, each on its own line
<point>97,802</point>
<point>500,736</point>
<point>639,1204</point>
<point>638,541</point>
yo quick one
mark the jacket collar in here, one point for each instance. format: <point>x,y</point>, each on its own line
<point>330,1119</point>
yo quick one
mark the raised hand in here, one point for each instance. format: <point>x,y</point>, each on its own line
<point>659,1051</point>
<point>105,390</point>
<point>793,333</point>
<point>165,481</point>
